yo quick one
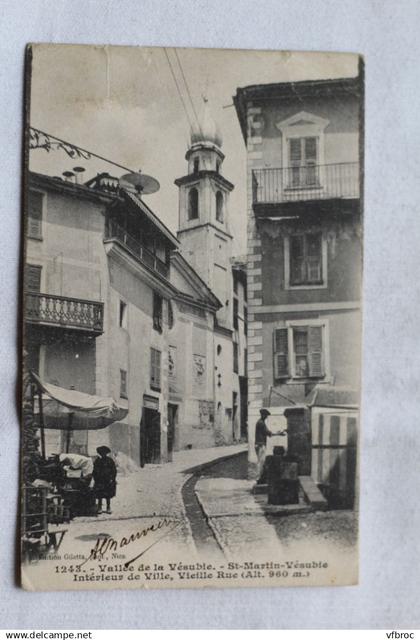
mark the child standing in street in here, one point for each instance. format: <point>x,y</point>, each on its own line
<point>104,475</point>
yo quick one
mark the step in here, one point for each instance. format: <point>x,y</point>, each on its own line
<point>312,494</point>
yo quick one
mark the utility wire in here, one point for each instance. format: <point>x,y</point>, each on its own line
<point>188,91</point>
<point>178,88</point>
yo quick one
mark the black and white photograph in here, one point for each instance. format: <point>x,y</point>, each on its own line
<point>192,318</point>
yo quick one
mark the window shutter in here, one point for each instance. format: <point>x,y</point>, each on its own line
<point>295,151</point>
<point>154,368</point>
<point>158,367</point>
<point>314,257</point>
<point>281,353</point>
<point>297,263</point>
<point>34,214</point>
<point>316,368</point>
<point>33,278</point>
<point>310,150</point>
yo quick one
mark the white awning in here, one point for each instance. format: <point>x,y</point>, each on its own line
<point>85,411</point>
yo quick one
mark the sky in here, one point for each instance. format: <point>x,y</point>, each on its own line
<point>123,104</point>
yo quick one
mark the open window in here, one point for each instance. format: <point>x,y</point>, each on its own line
<point>300,352</point>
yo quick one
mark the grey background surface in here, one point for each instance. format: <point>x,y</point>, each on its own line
<point>387,33</point>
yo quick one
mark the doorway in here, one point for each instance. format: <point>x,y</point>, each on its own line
<point>234,415</point>
<point>243,389</point>
<point>149,437</point>
<point>172,433</point>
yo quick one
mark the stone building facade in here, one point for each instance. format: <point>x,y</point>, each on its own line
<point>303,144</point>
<point>117,306</point>
<point>97,293</point>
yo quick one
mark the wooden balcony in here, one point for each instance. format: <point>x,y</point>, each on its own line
<point>305,184</point>
<point>68,313</point>
<point>137,249</point>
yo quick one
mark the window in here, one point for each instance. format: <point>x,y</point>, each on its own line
<point>307,357</point>
<point>172,361</point>
<point>306,259</point>
<point>235,357</point>
<point>123,315</point>
<point>219,206</point>
<point>303,162</point>
<point>196,165</point>
<point>33,278</point>
<point>123,383</point>
<point>217,166</point>
<point>235,283</point>
<point>235,313</point>
<point>35,202</point>
<point>171,318</point>
<point>155,369</point>
<point>193,204</point>
<point>157,312</point>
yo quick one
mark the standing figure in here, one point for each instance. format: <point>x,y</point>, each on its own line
<point>104,474</point>
<point>261,434</point>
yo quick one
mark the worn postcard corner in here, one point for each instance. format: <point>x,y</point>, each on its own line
<point>192,318</point>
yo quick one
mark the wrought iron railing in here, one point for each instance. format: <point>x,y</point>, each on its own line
<point>71,313</point>
<point>310,182</point>
<point>117,232</point>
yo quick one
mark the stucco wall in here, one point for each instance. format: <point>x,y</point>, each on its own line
<point>75,264</point>
<point>192,335</point>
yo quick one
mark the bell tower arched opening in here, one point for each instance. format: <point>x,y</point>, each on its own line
<point>193,212</point>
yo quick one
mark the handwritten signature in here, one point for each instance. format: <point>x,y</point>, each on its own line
<point>109,545</point>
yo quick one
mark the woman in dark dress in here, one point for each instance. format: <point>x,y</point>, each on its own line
<point>104,474</point>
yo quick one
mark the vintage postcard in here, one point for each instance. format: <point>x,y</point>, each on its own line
<point>191,318</point>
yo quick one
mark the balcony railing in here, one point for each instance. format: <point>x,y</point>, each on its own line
<point>116,232</point>
<point>59,311</point>
<point>310,182</point>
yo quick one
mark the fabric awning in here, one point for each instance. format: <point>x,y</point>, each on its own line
<point>86,411</point>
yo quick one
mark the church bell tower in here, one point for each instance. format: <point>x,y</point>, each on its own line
<point>203,231</point>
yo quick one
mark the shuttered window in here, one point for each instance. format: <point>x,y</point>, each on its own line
<point>281,354</point>
<point>235,313</point>
<point>306,259</point>
<point>155,355</point>
<point>157,312</point>
<point>123,383</point>
<point>235,357</point>
<point>35,215</point>
<point>307,357</point>
<point>33,278</point>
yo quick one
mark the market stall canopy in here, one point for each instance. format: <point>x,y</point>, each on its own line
<point>86,411</point>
